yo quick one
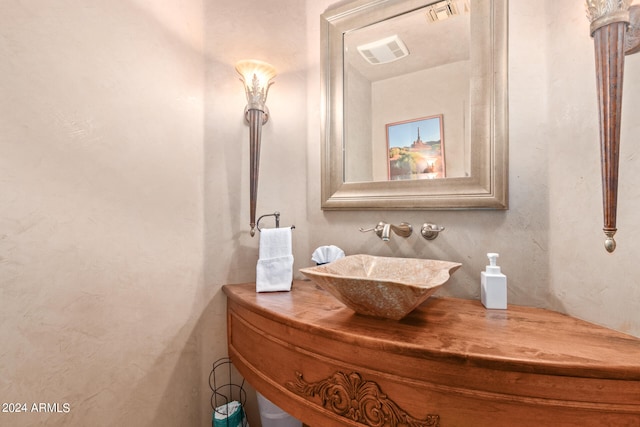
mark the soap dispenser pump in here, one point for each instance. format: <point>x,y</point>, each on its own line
<point>493,285</point>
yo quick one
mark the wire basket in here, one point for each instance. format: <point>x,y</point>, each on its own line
<point>225,391</point>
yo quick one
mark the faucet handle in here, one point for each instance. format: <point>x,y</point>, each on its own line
<point>382,230</point>
<point>430,231</point>
<point>378,228</point>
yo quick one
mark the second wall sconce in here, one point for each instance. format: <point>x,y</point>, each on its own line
<point>256,76</point>
<point>615,28</point>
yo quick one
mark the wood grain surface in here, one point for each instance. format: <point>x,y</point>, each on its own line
<point>450,360</point>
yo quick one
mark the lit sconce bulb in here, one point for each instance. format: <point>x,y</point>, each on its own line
<point>256,76</point>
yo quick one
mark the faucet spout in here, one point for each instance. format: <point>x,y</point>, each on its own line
<point>403,230</point>
<point>386,232</point>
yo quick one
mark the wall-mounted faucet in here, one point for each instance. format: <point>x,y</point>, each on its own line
<point>383,230</point>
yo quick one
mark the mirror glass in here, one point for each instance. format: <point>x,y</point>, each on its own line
<point>397,73</point>
<point>415,95</point>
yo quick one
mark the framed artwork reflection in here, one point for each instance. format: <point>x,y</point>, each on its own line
<point>416,149</point>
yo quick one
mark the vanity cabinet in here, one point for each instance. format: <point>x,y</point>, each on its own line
<point>451,362</point>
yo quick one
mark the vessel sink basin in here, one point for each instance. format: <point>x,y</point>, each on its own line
<point>383,287</point>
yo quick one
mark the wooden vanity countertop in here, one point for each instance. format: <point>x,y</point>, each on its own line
<point>521,339</point>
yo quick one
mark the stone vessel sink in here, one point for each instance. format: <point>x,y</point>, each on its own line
<point>381,286</point>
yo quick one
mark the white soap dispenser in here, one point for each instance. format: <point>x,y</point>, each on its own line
<point>493,285</point>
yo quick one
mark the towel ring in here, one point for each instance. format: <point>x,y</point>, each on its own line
<point>276,215</point>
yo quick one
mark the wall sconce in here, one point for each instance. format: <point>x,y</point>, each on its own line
<point>615,28</point>
<point>256,76</point>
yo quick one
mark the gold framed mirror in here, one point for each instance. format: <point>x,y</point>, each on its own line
<point>456,70</point>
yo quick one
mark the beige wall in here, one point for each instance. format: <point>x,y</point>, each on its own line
<point>124,181</point>
<point>358,114</point>
<point>101,211</point>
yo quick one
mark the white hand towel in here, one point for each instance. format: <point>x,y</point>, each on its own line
<point>274,270</point>
<point>275,242</point>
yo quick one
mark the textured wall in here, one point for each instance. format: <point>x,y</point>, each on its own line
<point>101,127</point>
<point>585,280</point>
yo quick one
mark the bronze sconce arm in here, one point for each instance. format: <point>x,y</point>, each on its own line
<point>615,28</point>
<point>256,76</point>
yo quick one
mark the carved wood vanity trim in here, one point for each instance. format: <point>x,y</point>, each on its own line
<point>450,362</point>
<point>353,397</point>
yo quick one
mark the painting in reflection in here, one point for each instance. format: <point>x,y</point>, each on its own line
<point>416,149</point>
